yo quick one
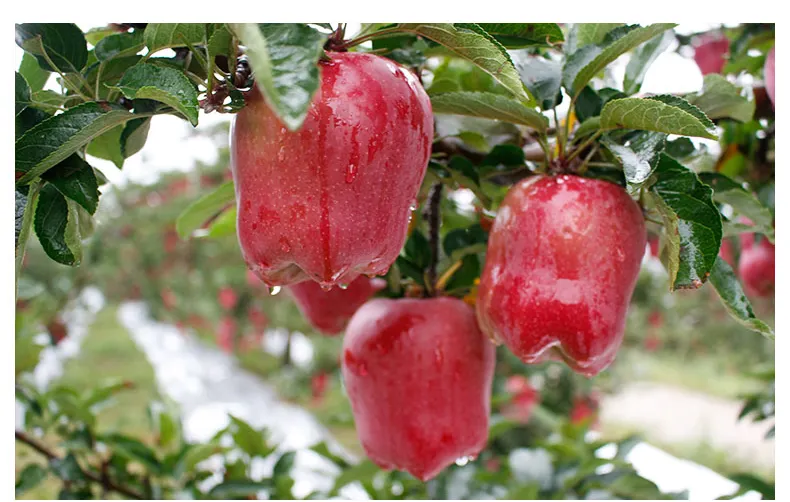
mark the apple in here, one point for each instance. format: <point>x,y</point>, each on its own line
<point>653,243</point>
<point>332,200</point>
<point>726,252</point>
<point>710,53</point>
<point>257,318</point>
<point>562,263</point>
<point>330,311</point>
<point>770,79</point>
<point>418,373</point>
<point>757,267</point>
<point>226,333</point>
<point>524,398</point>
<point>227,298</point>
<point>585,410</point>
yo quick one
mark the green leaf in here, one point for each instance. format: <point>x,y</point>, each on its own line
<point>194,216</point>
<point>418,250</point>
<point>469,41</point>
<point>639,156</point>
<point>588,104</point>
<point>224,224</point>
<point>734,299</point>
<point>251,441</point>
<point>160,36</point>
<point>720,99</point>
<point>63,43</point>
<point>462,238</point>
<point>35,76</point>
<point>220,42</point>
<point>66,468</point>
<point>455,75</point>
<point>134,136</point>
<point>520,35</point>
<point>103,393</point>
<point>168,428</point>
<point>198,453</point>
<point>119,45</point>
<point>465,174</point>
<point>22,94</point>
<point>56,227</point>
<point>54,139</point>
<point>284,464</point>
<point>751,482</point>
<point>49,101</point>
<point>587,127</point>
<point>652,115</point>
<point>641,59</point>
<point>629,41</point>
<point>490,106</point>
<point>684,105</point>
<point>75,179</point>
<point>322,449</point>
<point>692,223</point>
<point>727,191</point>
<point>110,73</point>
<point>166,85</point>
<point>362,471</point>
<point>592,33</point>
<point>238,489</point>
<point>95,35</point>
<point>284,59</point>
<point>108,146</point>
<point>542,77</point>
<point>132,449</point>
<point>19,212</point>
<point>29,478</point>
<point>680,148</point>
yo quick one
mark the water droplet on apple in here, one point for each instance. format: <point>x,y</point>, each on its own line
<point>275,290</point>
<point>285,245</point>
<point>281,154</point>
<point>462,461</point>
<point>326,286</point>
<point>351,173</point>
<point>343,286</point>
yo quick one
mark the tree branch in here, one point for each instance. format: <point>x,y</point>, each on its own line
<point>106,483</point>
<point>434,221</point>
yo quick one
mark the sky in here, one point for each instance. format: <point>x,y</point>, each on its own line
<point>171,146</point>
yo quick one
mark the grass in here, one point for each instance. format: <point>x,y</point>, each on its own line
<point>107,352</point>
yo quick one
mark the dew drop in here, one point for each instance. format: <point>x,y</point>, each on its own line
<point>275,290</point>
<point>281,154</point>
<point>351,173</point>
<point>343,286</point>
<point>462,461</point>
<point>326,286</point>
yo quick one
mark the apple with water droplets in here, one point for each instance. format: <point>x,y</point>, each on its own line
<point>562,263</point>
<point>418,373</point>
<point>330,311</point>
<point>332,201</point>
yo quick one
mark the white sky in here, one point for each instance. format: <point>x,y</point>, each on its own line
<point>172,147</point>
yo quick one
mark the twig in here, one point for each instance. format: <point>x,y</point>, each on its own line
<point>434,221</point>
<point>107,484</point>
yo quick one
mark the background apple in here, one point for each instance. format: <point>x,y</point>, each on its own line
<point>418,373</point>
<point>330,311</point>
<point>710,53</point>
<point>757,267</point>
<point>770,78</point>
<point>563,259</point>
<point>332,201</point>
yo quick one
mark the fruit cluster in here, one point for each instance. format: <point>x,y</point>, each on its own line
<point>330,205</point>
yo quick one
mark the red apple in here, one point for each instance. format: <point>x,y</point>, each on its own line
<point>418,373</point>
<point>524,399</point>
<point>757,267</point>
<point>655,319</point>
<point>585,410</point>
<point>726,253</point>
<point>710,53</point>
<point>332,200</point>
<point>770,79</point>
<point>257,318</point>
<point>653,242</point>
<point>227,298</point>
<point>226,333</point>
<point>330,311</point>
<point>563,260</point>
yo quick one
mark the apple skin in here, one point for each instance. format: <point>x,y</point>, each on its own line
<point>330,311</point>
<point>418,373</point>
<point>769,74</point>
<point>332,200</point>
<point>562,263</point>
<point>757,267</point>
<point>524,398</point>
<point>710,53</point>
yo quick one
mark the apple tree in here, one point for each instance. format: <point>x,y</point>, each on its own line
<point>430,190</point>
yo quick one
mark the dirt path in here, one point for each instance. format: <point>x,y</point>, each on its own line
<point>670,414</point>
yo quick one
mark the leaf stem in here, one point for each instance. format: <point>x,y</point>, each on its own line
<point>576,151</point>
<point>364,38</point>
<point>24,233</point>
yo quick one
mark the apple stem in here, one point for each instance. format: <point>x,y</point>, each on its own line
<point>434,222</point>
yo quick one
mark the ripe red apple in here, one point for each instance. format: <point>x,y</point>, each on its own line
<point>770,79</point>
<point>710,53</point>
<point>524,399</point>
<point>563,260</point>
<point>226,333</point>
<point>418,373</point>
<point>585,410</point>
<point>757,267</point>
<point>330,311</point>
<point>332,200</point>
<point>227,298</point>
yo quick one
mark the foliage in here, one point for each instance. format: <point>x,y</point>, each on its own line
<point>498,91</point>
